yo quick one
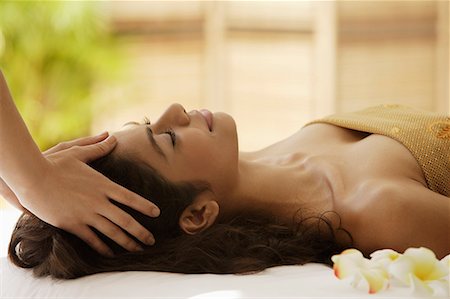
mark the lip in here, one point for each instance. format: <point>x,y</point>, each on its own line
<point>208,116</point>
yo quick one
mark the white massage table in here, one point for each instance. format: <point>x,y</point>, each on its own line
<point>308,281</point>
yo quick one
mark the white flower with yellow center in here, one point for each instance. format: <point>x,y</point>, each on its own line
<point>419,269</point>
<point>361,272</point>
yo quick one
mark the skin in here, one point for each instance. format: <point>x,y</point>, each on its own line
<point>383,200</point>
<point>60,189</point>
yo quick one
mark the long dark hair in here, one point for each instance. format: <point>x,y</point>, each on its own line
<point>243,243</point>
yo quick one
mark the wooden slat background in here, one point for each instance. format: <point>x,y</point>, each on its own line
<point>276,65</point>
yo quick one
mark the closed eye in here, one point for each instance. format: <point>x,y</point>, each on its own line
<point>170,132</point>
<point>172,135</point>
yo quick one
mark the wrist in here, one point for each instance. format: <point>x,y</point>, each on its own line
<point>30,180</point>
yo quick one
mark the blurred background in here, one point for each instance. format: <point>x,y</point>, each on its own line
<point>78,68</point>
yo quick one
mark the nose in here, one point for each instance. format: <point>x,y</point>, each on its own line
<point>175,115</point>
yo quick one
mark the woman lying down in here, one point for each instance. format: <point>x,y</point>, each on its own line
<point>373,179</point>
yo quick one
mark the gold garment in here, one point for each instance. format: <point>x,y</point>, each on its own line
<point>426,135</point>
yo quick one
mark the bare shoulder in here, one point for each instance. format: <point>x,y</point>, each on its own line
<point>399,214</point>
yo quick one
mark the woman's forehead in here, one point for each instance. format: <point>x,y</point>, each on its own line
<point>133,140</point>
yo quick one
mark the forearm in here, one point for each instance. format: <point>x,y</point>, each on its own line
<point>21,161</point>
<point>7,194</point>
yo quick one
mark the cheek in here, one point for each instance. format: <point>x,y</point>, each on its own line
<point>208,157</point>
<point>204,158</point>
<point>213,165</point>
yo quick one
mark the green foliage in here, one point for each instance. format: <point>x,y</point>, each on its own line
<point>53,55</point>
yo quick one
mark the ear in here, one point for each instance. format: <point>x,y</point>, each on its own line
<point>200,215</point>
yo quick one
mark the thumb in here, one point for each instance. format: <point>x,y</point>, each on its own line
<point>95,151</point>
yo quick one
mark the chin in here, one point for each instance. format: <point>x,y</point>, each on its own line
<point>224,122</point>
<point>224,126</point>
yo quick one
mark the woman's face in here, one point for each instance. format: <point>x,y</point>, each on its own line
<point>197,152</point>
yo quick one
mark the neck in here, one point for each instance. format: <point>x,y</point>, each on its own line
<point>280,185</point>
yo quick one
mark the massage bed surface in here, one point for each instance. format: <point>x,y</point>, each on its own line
<point>307,281</point>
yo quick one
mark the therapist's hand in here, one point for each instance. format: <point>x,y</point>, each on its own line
<point>74,197</point>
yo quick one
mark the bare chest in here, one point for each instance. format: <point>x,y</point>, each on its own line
<point>356,156</point>
<point>356,164</point>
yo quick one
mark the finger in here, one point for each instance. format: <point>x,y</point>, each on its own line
<point>113,232</point>
<point>88,236</point>
<point>133,200</point>
<point>79,141</point>
<point>128,223</point>
<point>88,140</point>
<point>92,152</point>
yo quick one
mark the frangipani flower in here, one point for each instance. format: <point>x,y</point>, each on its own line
<point>352,265</point>
<point>417,268</point>
<point>422,271</point>
<point>384,257</point>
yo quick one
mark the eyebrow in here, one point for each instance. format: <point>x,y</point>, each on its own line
<point>154,144</point>
<point>150,137</point>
